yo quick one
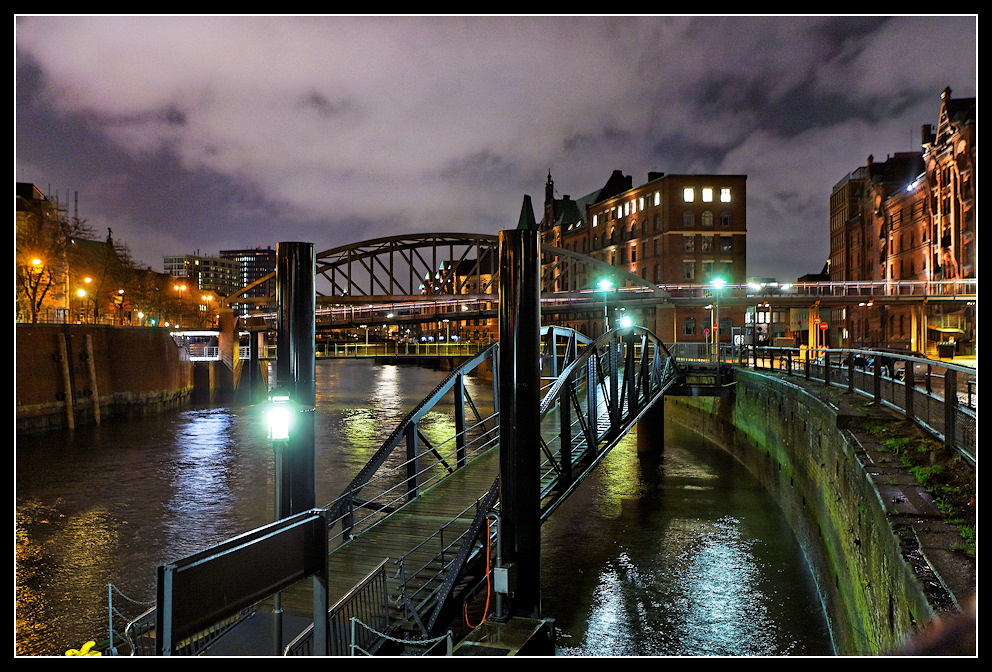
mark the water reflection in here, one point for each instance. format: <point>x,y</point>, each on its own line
<point>679,554</point>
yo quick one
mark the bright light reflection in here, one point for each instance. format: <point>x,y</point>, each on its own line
<point>726,612</point>
<point>200,479</point>
<point>609,627</point>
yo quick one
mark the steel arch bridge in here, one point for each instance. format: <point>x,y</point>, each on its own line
<point>457,265</point>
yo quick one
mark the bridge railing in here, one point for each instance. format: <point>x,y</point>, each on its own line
<point>399,350</point>
<point>593,403</point>
<point>356,622</point>
<point>708,354</point>
<point>941,397</point>
<point>412,458</point>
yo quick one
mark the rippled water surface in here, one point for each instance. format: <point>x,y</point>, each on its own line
<point>675,555</point>
<point>678,554</point>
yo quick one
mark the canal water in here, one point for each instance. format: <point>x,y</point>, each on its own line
<point>677,554</point>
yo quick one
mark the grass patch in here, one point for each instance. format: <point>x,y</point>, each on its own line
<point>940,471</point>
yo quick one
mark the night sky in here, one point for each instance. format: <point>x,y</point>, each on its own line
<point>197,134</point>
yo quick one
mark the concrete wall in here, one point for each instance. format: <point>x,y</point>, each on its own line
<point>68,375</point>
<point>881,555</point>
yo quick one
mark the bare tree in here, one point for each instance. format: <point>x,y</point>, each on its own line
<point>43,235</point>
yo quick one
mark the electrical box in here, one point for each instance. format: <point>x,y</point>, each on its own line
<point>505,579</point>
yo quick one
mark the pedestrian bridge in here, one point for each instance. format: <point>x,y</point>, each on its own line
<point>412,538</point>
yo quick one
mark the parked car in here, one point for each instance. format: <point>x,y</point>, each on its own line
<point>894,362</point>
<point>860,361</point>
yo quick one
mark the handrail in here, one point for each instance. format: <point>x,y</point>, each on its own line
<point>914,386</point>
<point>612,383</point>
<point>360,602</point>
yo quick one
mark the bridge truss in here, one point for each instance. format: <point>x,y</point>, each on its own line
<point>458,266</point>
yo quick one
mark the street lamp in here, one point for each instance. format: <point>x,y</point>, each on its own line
<point>606,285</point>
<point>717,284</point>
<point>279,415</point>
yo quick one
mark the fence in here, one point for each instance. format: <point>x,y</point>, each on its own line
<point>939,396</point>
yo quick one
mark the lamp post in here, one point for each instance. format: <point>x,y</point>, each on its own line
<point>717,284</point>
<point>606,285</point>
<point>119,302</point>
<point>280,420</point>
<point>180,289</point>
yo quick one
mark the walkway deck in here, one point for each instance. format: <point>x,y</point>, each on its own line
<point>408,533</point>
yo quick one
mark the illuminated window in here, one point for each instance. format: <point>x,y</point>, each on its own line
<point>641,203</point>
<point>707,194</point>
<point>725,195</point>
<point>595,221</point>
<point>657,198</point>
<point>688,195</point>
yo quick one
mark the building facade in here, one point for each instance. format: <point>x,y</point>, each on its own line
<point>201,283</point>
<point>907,224</point>
<point>680,232</point>
<point>253,264</point>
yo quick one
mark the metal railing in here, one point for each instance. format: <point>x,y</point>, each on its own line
<point>941,397</point>
<point>357,623</point>
<point>140,634</point>
<point>593,403</point>
<point>359,350</point>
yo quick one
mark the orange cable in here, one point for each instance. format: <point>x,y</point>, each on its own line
<point>488,585</point>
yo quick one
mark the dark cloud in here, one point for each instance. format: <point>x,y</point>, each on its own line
<point>208,133</point>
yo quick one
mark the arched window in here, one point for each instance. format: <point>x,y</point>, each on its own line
<point>707,218</point>
<point>688,218</point>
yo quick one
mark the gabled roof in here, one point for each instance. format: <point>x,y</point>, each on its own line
<point>617,184</point>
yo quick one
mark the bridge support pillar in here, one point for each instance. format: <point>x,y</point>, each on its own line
<point>519,406</point>
<point>651,430</point>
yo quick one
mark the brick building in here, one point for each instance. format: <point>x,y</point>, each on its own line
<point>908,224</point>
<point>676,231</point>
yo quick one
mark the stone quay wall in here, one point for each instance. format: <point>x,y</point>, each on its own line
<point>69,375</point>
<point>887,567</point>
